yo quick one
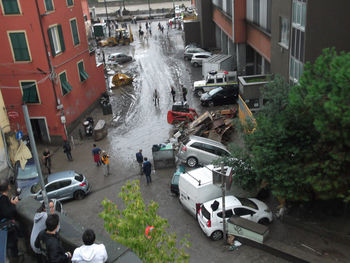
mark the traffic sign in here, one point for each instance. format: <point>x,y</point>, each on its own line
<point>19,135</point>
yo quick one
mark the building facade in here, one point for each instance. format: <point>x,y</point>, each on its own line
<point>46,63</point>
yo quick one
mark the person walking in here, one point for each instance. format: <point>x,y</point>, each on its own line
<point>184,93</point>
<point>96,151</point>
<point>49,243</point>
<point>47,159</point>
<point>173,93</point>
<point>67,150</point>
<point>156,97</point>
<point>39,225</point>
<point>139,159</point>
<point>90,252</point>
<point>105,162</point>
<point>147,169</point>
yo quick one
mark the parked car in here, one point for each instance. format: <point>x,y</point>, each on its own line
<point>220,96</point>
<point>174,185</point>
<point>192,45</point>
<point>26,177</point>
<point>210,213</point>
<point>61,186</point>
<point>192,50</point>
<point>119,58</point>
<point>214,79</point>
<point>198,58</point>
<point>198,150</point>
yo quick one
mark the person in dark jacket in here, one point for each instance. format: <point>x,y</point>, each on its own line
<point>67,150</point>
<point>139,159</point>
<point>184,93</point>
<point>147,169</point>
<point>8,214</point>
<point>49,243</point>
<point>173,93</point>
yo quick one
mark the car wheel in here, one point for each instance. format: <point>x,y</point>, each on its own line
<point>199,92</point>
<point>78,195</point>
<point>264,221</point>
<point>192,162</point>
<point>211,104</point>
<point>216,235</point>
<point>195,64</point>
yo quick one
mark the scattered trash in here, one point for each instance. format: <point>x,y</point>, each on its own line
<point>313,250</point>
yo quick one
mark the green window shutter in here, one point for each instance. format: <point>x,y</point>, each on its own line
<point>73,24</point>
<point>29,92</point>
<point>19,46</point>
<point>10,7</point>
<point>60,34</point>
<point>66,87</point>
<point>49,33</point>
<point>82,73</point>
<point>69,2</point>
<point>49,5</point>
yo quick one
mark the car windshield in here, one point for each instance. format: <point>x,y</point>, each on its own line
<point>248,203</point>
<point>29,172</point>
<point>205,212</point>
<point>35,188</point>
<point>214,91</point>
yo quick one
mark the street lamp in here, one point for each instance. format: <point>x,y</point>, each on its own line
<point>109,31</point>
<point>149,9</point>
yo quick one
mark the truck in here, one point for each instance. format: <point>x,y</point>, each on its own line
<point>213,80</point>
<point>218,62</point>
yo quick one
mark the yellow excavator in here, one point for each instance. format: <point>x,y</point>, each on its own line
<point>123,36</point>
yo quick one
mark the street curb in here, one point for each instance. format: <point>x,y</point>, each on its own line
<point>335,236</point>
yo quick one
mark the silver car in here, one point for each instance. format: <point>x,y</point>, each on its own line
<point>197,58</point>
<point>198,150</point>
<point>61,186</point>
<point>192,50</point>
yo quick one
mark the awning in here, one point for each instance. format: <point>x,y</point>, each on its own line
<point>66,86</point>
<point>83,75</point>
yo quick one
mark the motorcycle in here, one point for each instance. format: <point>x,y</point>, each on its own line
<point>88,126</point>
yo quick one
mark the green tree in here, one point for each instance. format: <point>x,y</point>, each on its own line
<point>301,144</point>
<point>128,227</point>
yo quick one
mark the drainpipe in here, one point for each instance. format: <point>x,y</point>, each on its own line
<point>52,70</point>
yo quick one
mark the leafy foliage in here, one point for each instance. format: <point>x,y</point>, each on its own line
<point>128,227</point>
<point>301,145</point>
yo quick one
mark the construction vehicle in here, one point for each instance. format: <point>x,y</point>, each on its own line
<point>121,79</point>
<point>181,112</point>
<point>123,36</point>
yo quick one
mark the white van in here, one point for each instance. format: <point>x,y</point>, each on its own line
<point>196,187</point>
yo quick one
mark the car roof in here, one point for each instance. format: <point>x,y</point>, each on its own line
<point>61,175</point>
<point>230,201</point>
<point>204,174</point>
<point>206,140</point>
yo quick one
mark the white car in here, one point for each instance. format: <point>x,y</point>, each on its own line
<point>197,58</point>
<point>210,213</point>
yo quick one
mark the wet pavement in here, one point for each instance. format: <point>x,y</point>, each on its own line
<point>137,123</point>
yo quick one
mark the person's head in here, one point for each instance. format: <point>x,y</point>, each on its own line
<point>140,150</point>
<point>43,209</point>
<point>94,145</point>
<point>4,185</point>
<point>145,159</point>
<point>88,237</point>
<point>52,222</point>
<point>46,149</point>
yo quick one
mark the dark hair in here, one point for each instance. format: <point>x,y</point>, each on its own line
<point>42,207</point>
<point>94,145</point>
<point>4,185</point>
<point>88,237</point>
<point>52,222</point>
<point>145,159</point>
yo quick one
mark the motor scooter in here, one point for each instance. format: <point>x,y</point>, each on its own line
<point>88,126</point>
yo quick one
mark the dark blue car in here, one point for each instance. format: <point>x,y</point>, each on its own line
<point>27,177</point>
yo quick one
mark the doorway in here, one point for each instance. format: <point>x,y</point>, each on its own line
<point>40,130</point>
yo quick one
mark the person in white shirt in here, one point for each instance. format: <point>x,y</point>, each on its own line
<point>90,252</point>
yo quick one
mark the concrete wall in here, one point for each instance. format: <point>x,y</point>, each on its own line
<point>327,25</point>
<point>207,27</point>
<point>279,53</point>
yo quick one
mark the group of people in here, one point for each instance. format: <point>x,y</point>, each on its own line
<point>173,94</point>
<point>44,240</point>
<point>145,166</point>
<point>101,158</point>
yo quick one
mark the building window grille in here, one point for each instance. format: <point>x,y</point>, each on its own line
<point>48,5</point>
<point>75,34</point>
<point>29,92</point>
<point>70,2</point>
<point>56,39</point>
<point>19,46</point>
<point>10,7</point>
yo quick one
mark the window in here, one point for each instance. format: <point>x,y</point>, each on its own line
<point>221,152</point>
<point>228,214</point>
<point>70,2</point>
<point>10,7</point>
<point>65,183</point>
<point>52,187</point>
<point>243,211</point>
<point>299,14</point>
<point>256,11</point>
<point>229,4</point>
<point>210,81</point>
<point>284,32</point>
<point>85,18</point>
<point>219,80</point>
<point>56,39</point>
<point>82,73</point>
<point>75,34</point>
<point>29,92</point>
<point>209,148</point>
<point>19,46</point>
<point>65,86</point>
<point>48,5</point>
<point>197,145</point>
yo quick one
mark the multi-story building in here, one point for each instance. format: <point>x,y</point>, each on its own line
<point>46,63</point>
